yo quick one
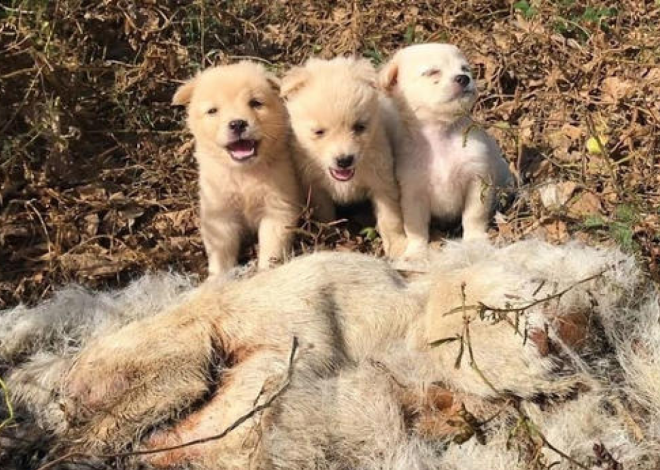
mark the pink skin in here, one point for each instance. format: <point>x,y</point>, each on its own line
<point>342,174</point>
<point>243,149</point>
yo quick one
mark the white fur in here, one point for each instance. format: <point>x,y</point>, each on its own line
<point>447,166</point>
<point>352,418</point>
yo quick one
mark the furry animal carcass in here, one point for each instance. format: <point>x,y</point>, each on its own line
<point>491,360</point>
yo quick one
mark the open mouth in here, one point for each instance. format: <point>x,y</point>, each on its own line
<point>242,149</point>
<point>342,174</point>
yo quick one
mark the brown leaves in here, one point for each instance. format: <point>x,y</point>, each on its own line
<point>95,163</point>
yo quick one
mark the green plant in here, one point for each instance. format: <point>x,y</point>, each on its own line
<point>524,7</point>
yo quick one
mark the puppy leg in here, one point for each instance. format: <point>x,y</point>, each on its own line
<point>245,386</point>
<point>388,214</point>
<point>222,240</point>
<point>416,219</point>
<point>275,237</point>
<point>477,210</point>
<point>138,376</point>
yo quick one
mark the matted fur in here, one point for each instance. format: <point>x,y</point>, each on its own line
<point>364,402</point>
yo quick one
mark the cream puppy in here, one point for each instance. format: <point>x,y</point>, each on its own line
<point>446,166</point>
<point>342,149</point>
<point>247,179</point>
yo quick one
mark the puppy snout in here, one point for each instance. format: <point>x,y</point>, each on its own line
<point>345,161</point>
<point>462,80</point>
<point>238,125</point>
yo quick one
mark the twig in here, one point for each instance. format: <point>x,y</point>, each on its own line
<point>10,408</point>
<point>257,409</point>
<point>480,307</point>
<point>523,416</point>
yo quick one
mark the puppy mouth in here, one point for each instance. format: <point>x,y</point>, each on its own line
<point>242,149</point>
<point>342,174</point>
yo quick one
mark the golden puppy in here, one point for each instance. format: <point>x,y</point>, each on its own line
<point>446,166</point>
<point>247,179</point>
<point>342,148</point>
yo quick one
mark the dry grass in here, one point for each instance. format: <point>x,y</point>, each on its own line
<point>98,183</point>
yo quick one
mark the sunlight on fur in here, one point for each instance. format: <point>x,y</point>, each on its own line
<point>367,390</point>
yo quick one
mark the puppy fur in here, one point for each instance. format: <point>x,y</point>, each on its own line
<point>341,146</point>
<point>246,176</point>
<point>446,166</point>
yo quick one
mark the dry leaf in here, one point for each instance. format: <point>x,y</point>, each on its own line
<point>556,195</point>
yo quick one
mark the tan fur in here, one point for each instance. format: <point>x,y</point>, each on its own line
<point>259,193</point>
<point>338,98</point>
<point>345,309</point>
<point>447,167</point>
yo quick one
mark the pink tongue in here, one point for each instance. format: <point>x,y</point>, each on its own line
<point>242,149</point>
<point>343,174</point>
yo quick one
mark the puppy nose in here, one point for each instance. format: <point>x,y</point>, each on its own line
<point>345,161</point>
<point>238,125</point>
<point>462,80</point>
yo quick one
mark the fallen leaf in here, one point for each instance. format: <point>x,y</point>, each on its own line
<point>556,195</point>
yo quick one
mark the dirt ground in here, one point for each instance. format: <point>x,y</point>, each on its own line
<point>97,178</point>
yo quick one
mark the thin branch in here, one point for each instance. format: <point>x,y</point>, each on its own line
<point>523,416</point>
<point>8,405</point>
<point>483,307</point>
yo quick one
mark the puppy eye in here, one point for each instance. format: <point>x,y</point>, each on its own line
<point>212,111</point>
<point>319,132</point>
<point>465,69</point>
<point>359,127</point>
<point>431,73</point>
<point>255,103</point>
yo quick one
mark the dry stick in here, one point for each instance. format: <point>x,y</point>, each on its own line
<point>10,408</point>
<point>482,306</point>
<point>203,440</point>
<point>473,364</point>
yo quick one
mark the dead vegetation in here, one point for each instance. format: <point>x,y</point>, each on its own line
<point>98,182</point>
<point>97,179</point>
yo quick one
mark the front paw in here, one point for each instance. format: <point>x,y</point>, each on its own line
<point>394,246</point>
<point>416,258</point>
<point>475,235</point>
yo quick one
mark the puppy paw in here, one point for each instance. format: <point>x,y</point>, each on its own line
<point>475,235</point>
<point>395,246</point>
<point>413,260</point>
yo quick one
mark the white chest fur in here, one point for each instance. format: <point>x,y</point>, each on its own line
<point>441,162</point>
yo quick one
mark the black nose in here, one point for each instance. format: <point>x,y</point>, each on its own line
<point>462,80</point>
<point>346,161</point>
<point>238,125</point>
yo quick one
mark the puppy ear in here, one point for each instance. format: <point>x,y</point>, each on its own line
<point>388,75</point>
<point>365,71</point>
<point>293,81</point>
<point>184,93</point>
<point>274,82</point>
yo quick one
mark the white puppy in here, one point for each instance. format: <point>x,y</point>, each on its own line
<point>247,179</point>
<point>446,166</point>
<point>342,148</point>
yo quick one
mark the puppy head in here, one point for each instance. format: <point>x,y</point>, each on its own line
<point>234,112</point>
<point>333,107</point>
<point>433,80</point>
